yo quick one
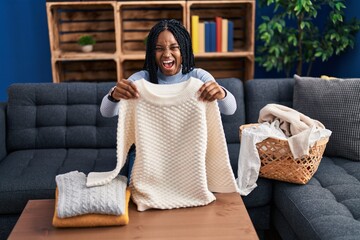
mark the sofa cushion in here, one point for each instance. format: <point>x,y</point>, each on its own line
<point>30,174</point>
<point>327,206</point>
<point>259,92</point>
<point>261,195</point>
<point>335,103</point>
<point>47,115</point>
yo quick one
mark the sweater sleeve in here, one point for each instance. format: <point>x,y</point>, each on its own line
<point>220,176</point>
<point>227,105</point>
<point>109,108</point>
<point>125,138</point>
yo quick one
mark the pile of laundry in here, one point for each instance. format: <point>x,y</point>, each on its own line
<point>278,122</point>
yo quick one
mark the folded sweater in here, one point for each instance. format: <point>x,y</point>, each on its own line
<point>92,220</point>
<point>76,199</point>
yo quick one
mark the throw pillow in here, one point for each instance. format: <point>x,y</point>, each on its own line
<point>336,104</point>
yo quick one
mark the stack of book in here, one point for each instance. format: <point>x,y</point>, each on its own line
<point>212,36</point>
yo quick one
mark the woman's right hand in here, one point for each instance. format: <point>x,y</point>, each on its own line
<point>125,89</point>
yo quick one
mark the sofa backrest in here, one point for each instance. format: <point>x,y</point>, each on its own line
<point>67,115</point>
<point>231,123</point>
<point>64,115</point>
<point>259,92</point>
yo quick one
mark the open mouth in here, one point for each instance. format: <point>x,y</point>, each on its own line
<point>168,64</point>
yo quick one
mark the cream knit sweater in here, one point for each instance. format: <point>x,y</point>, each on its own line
<point>181,152</point>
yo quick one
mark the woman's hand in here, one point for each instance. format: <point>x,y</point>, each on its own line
<point>125,89</point>
<point>211,91</point>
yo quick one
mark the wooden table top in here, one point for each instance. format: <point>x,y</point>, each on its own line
<point>224,219</point>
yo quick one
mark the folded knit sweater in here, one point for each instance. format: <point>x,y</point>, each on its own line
<point>181,151</point>
<point>75,199</point>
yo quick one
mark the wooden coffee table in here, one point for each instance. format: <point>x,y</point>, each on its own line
<point>224,219</point>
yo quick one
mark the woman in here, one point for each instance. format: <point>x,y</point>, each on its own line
<point>169,59</point>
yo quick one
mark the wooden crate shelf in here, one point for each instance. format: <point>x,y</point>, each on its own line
<point>60,55</point>
<point>240,12</point>
<point>120,29</point>
<point>137,18</point>
<point>68,21</point>
<point>131,66</point>
<point>224,67</point>
<point>86,71</point>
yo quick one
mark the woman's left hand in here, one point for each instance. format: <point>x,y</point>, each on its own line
<point>211,91</point>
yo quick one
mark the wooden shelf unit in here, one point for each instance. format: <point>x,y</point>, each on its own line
<point>120,29</point>
<point>240,62</point>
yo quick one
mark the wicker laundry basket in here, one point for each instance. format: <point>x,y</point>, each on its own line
<point>278,163</point>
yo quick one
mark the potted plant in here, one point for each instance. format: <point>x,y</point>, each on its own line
<point>86,42</point>
<point>291,39</point>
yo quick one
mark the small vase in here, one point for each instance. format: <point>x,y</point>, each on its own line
<point>87,48</point>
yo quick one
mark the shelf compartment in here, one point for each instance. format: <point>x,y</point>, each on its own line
<point>68,21</point>
<point>137,18</point>
<point>241,68</point>
<point>60,55</point>
<point>241,12</point>
<point>131,66</point>
<point>85,71</point>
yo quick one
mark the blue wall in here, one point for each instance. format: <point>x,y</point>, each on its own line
<point>25,51</point>
<point>24,43</point>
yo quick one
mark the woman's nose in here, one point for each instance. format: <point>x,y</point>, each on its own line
<point>167,52</point>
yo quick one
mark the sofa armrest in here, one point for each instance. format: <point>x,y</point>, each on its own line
<point>3,151</point>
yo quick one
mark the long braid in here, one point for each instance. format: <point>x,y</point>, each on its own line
<point>181,35</point>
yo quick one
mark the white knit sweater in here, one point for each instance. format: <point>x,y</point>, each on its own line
<point>181,152</point>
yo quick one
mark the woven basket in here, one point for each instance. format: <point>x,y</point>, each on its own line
<point>278,163</point>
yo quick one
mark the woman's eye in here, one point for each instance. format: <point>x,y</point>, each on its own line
<point>174,48</point>
<point>159,49</point>
<point>171,48</point>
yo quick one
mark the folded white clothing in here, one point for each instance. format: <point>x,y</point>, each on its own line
<point>76,199</point>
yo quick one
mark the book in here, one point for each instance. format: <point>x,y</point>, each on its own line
<point>230,36</point>
<point>201,37</point>
<point>218,22</point>
<point>224,35</point>
<point>212,37</point>
<point>207,37</point>
<point>195,33</point>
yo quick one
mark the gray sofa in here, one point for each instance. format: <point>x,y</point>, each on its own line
<point>47,129</point>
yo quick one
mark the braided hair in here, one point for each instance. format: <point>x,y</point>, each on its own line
<point>181,35</point>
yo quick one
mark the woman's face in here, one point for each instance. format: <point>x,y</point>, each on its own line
<point>167,54</point>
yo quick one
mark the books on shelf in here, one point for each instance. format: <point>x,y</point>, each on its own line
<point>224,35</point>
<point>230,36</point>
<point>195,33</point>
<point>212,36</point>
<point>218,21</point>
<point>201,37</point>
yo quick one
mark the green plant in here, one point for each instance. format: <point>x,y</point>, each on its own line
<point>86,40</point>
<point>291,38</point>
